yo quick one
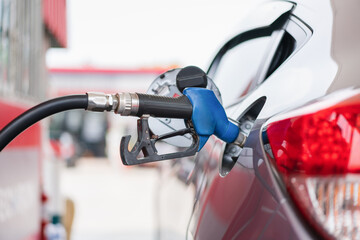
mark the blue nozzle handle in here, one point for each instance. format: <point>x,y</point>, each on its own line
<point>209,116</point>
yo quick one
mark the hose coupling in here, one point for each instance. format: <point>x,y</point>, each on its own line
<point>240,140</point>
<point>128,104</point>
<point>100,102</point>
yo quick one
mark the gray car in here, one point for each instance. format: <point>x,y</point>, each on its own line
<point>289,77</point>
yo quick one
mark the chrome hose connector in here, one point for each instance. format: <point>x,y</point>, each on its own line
<point>100,102</point>
<point>128,104</point>
<point>240,140</point>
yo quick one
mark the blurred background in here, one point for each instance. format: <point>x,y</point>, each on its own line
<point>66,171</point>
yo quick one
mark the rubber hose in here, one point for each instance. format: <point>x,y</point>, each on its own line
<point>35,114</point>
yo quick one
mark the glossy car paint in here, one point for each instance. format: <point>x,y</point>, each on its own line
<point>250,202</point>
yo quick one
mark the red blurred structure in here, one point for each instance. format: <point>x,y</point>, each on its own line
<point>28,28</point>
<point>54,13</point>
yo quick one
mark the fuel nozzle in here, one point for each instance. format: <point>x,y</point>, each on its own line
<point>199,105</point>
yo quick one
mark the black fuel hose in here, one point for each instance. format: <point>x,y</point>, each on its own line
<point>35,114</point>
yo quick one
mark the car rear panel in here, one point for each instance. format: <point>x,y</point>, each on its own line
<point>247,203</point>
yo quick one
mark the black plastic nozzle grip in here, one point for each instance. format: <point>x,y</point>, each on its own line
<point>191,76</point>
<point>168,107</point>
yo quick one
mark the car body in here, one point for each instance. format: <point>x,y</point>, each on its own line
<point>289,61</point>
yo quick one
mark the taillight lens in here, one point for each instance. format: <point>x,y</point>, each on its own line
<point>318,157</point>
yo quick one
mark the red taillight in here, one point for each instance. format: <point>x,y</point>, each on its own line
<point>325,142</point>
<point>318,156</point>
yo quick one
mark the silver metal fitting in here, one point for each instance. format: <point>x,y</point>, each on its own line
<point>240,140</point>
<point>100,102</point>
<point>128,104</point>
